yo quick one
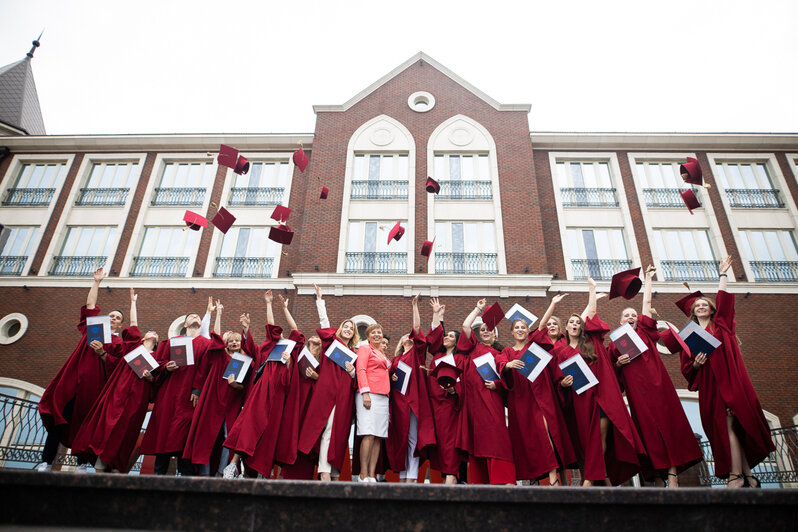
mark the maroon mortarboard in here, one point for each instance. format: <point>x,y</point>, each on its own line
<point>228,156</point>
<point>223,220</point>
<point>433,187</point>
<point>670,337</point>
<point>692,169</point>
<point>689,199</point>
<point>242,165</point>
<point>195,221</point>
<point>492,316</point>
<point>685,304</point>
<point>446,374</point>
<point>324,192</point>
<point>626,283</point>
<point>281,213</point>
<point>281,234</point>
<point>426,248</point>
<point>301,159</point>
<point>396,232</point>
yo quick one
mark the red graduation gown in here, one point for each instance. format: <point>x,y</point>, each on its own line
<point>416,400</point>
<point>218,403</point>
<point>81,378</point>
<point>335,388</point>
<point>296,407</point>
<point>482,430</point>
<point>528,403</point>
<point>623,442</point>
<point>444,457</point>
<point>171,415</point>
<point>112,427</point>
<point>723,382</point>
<point>656,409</point>
<point>254,434</point>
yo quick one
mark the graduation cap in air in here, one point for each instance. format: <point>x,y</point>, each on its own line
<point>194,221</point>
<point>446,374</point>
<point>282,234</point>
<point>689,199</point>
<point>281,213</point>
<point>426,248</point>
<point>324,192</point>
<point>492,316</point>
<point>396,232</point>
<point>228,156</point>
<point>685,304</point>
<point>626,283</point>
<point>433,187</point>
<point>242,165</point>
<point>300,159</point>
<point>223,220</point>
<point>670,337</point>
<point>691,172</point>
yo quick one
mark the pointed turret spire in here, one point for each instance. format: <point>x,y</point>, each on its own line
<point>36,44</point>
<point>20,112</point>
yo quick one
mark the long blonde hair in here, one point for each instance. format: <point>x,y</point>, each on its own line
<point>352,343</point>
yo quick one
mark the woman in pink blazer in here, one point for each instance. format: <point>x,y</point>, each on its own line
<point>372,401</point>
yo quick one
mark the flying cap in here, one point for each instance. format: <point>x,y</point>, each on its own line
<point>689,199</point>
<point>228,156</point>
<point>324,192</point>
<point>492,316</point>
<point>281,213</point>
<point>626,283</point>
<point>396,232</point>
<point>300,159</point>
<point>433,187</point>
<point>281,234</point>
<point>194,221</point>
<point>242,165</point>
<point>692,170</point>
<point>223,220</point>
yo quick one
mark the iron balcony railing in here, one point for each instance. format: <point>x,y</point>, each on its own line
<point>76,266</point>
<point>29,197</point>
<point>376,262</point>
<point>466,263</point>
<point>752,198</point>
<point>379,190</point>
<point>598,269</point>
<point>690,270</point>
<point>257,196</point>
<point>778,470</point>
<point>588,197</point>
<point>243,267</point>
<point>781,270</point>
<point>12,265</point>
<point>178,196</point>
<point>159,267</point>
<point>465,190</point>
<point>22,436</point>
<point>102,196</point>
<point>665,197</point>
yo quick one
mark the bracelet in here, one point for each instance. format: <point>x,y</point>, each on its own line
<point>478,309</point>
<point>723,275</point>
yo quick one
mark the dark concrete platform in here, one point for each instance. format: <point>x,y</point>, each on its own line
<point>68,500</point>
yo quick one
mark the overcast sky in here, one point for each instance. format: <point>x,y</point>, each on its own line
<point>198,66</point>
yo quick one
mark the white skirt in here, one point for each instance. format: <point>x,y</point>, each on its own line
<point>374,421</point>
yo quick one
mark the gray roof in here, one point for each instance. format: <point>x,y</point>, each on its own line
<point>19,103</point>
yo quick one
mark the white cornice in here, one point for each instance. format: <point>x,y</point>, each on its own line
<point>421,56</point>
<point>170,142</point>
<point>663,141</point>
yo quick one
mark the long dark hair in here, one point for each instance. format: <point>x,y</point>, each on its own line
<point>584,345</point>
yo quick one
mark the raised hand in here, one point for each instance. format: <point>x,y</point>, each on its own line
<point>244,319</point>
<point>725,264</point>
<point>283,301</point>
<point>219,305</point>
<point>211,306</point>
<point>482,303</point>
<point>99,275</point>
<point>591,283</point>
<point>415,299</point>
<point>559,297</point>
<point>434,302</point>
<point>268,297</point>
<point>133,295</point>
<point>317,290</point>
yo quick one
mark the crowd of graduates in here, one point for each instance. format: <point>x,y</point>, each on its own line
<point>428,400</point>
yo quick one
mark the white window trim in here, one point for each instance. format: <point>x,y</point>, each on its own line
<point>498,224</point>
<point>792,159</point>
<point>738,217</point>
<point>577,214</point>
<point>407,206</point>
<point>171,216</point>
<point>679,218</point>
<point>10,216</point>
<point>251,215</point>
<point>5,339</point>
<point>25,388</point>
<point>117,213</point>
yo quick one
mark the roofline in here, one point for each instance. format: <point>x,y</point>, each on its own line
<point>13,128</point>
<point>159,142</point>
<point>427,59</point>
<point>552,140</point>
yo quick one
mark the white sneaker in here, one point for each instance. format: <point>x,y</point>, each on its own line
<point>371,479</point>
<point>231,471</point>
<point>82,468</point>
<point>363,480</point>
<point>44,467</point>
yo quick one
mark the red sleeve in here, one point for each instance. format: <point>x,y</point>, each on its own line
<point>596,327</point>
<point>131,337</point>
<point>114,352</point>
<point>501,363</point>
<point>688,371</point>
<point>435,339</point>
<point>724,316</point>
<point>84,313</point>
<point>541,337</point>
<point>466,343</point>
<point>419,347</point>
<point>248,345</point>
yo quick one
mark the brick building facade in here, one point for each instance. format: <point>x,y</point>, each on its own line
<point>520,217</point>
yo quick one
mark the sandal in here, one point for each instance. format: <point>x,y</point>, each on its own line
<point>749,484</point>
<point>555,483</point>
<point>668,480</point>
<point>734,477</point>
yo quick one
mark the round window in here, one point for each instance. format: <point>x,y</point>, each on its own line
<point>12,328</point>
<point>421,101</point>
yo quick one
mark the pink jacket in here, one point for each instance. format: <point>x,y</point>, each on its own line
<point>372,371</point>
